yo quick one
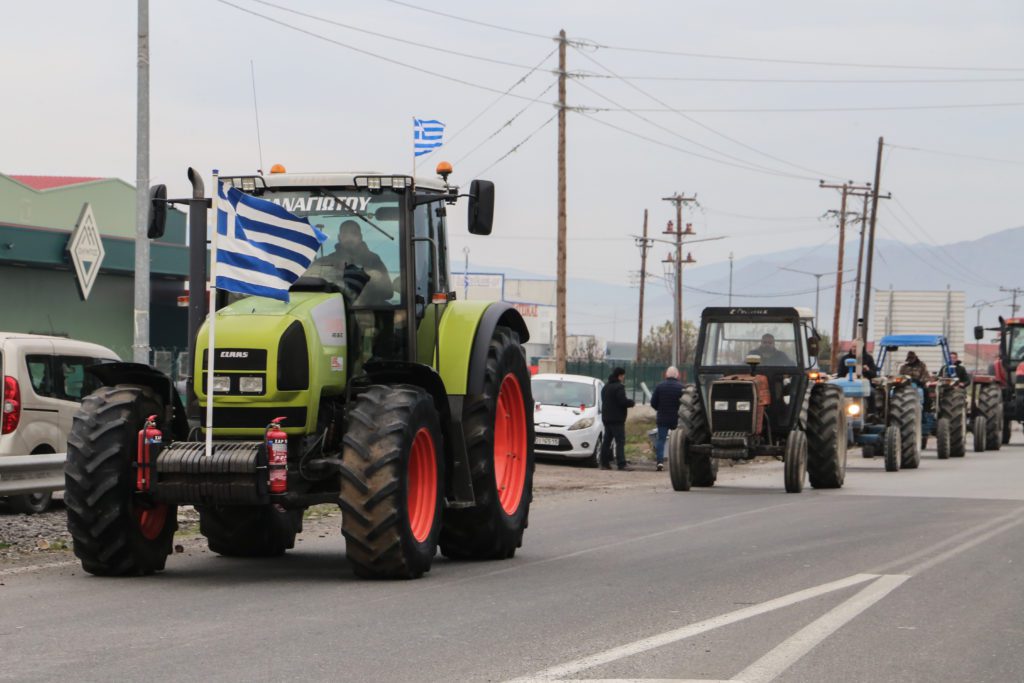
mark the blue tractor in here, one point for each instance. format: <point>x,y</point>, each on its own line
<point>943,398</point>
<point>883,416</point>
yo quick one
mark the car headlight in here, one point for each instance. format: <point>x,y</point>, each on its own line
<point>221,384</point>
<point>582,423</point>
<point>250,385</point>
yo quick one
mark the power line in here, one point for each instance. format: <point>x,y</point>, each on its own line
<point>758,218</point>
<point>786,110</point>
<point>516,147</point>
<point>389,60</point>
<point>957,155</point>
<point>701,124</point>
<point>807,81</point>
<point>505,125</point>
<point>471,21</point>
<point>655,141</point>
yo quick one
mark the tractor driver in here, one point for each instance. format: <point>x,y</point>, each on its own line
<point>355,267</point>
<point>768,353</point>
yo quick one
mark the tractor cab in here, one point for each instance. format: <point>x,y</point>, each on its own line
<point>750,365</point>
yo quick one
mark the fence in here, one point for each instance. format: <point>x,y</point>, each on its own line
<point>636,374</point>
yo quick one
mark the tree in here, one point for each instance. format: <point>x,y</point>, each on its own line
<point>657,347</point>
<point>584,347</point>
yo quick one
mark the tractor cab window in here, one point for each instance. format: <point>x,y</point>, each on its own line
<point>430,250</point>
<point>1016,343</point>
<point>729,343</point>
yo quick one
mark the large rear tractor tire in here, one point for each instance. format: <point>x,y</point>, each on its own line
<point>892,446</point>
<point>498,426</point>
<point>979,432</point>
<point>795,462</point>
<point>693,421</point>
<point>942,438</point>
<point>905,412</point>
<point>391,482</point>
<point>990,404</point>
<point>953,406</point>
<point>116,532</point>
<point>249,530</point>
<point>826,437</point>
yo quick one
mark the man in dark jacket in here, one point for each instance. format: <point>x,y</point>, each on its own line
<point>665,400</point>
<point>868,370</point>
<point>613,414</point>
<point>959,370</point>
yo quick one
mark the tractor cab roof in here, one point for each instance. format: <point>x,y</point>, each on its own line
<point>758,313</point>
<point>897,340</point>
<point>345,179</point>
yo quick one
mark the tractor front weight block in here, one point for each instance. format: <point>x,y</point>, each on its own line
<point>235,473</point>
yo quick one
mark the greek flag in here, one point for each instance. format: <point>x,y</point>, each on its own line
<point>426,135</point>
<point>261,248</point>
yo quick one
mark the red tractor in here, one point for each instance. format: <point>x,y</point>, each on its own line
<point>1009,370</point>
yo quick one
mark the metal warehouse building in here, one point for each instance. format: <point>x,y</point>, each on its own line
<point>67,261</point>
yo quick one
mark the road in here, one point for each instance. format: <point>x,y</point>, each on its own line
<point>909,576</point>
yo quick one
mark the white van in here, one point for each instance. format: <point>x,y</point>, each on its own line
<point>44,380</point>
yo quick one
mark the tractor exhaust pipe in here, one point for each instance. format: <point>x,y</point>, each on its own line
<point>197,255</point>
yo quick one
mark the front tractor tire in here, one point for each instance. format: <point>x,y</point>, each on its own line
<point>795,461</point>
<point>990,404</point>
<point>498,426</point>
<point>686,468</point>
<point>892,448</point>
<point>979,430</point>
<point>826,437</point>
<point>906,415</point>
<point>952,406</point>
<point>116,532</point>
<point>391,483</point>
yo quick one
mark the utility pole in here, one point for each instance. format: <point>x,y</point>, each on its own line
<point>678,199</point>
<point>140,337</point>
<point>846,188</point>
<point>1015,291</point>
<point>871,239</point>
<point>860,264</point>
<point>644,245</point>
<point>560,287</point>
<point>730,278</point>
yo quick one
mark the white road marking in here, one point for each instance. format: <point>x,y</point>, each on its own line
<point>803,641</point>
<point>942,557</point>
<point>675,635</point>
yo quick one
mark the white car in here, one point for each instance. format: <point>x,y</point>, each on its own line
<point>567,417</point>
<point>44,380</point>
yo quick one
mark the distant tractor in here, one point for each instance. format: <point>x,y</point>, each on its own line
<point>757,393</point>
<point>370,388</point>
<point>946,410</point>
<point>884,416</point>
<point>1009,372</point>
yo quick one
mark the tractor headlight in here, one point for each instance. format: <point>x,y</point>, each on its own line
<point>721,405</point>
<point>853,409</point>
<point>221,384</point>
<point>250,385</point>
<point>582,423</point>
<point>743,405</point>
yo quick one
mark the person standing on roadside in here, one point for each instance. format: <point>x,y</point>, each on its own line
<point>613,414</point>
<point>665,400</point>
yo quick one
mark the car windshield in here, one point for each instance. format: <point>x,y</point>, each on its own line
<point>556,392</point>
<point>362,234</point>
<point>729,343</point>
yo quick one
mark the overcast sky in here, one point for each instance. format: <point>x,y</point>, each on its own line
<point>69,74</point>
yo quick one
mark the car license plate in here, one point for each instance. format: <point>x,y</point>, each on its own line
<point>545,441</point>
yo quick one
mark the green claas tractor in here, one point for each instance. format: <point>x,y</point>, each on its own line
<point>371,388</point>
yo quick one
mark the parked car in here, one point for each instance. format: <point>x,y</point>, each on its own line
<point>44,381</point>
<point>567,417</point>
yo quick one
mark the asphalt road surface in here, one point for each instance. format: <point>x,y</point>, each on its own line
<point>908,576</point>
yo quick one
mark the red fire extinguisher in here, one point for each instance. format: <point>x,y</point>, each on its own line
<point>150,442</point>
<point>277,456</point>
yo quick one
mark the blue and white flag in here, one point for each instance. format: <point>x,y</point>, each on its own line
<point>261,248</point>
<point>427,135</point>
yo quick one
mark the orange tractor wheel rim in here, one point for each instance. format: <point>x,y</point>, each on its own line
<point>510,447</point>
<point>421,489</point>
<point>151,521</point>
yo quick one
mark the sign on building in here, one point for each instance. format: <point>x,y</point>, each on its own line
<point>86,250</point>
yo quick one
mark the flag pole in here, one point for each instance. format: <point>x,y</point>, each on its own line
<point>210,355</point>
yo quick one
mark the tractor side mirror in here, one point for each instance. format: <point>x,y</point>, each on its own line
<point>481,207</point>
<point>157,211</point>
<point>979,332</point>
<point>812,346</point>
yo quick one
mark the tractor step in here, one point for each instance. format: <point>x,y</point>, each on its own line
<point>235,473</point>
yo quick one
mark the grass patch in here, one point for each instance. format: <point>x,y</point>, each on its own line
<point>638,447</point>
